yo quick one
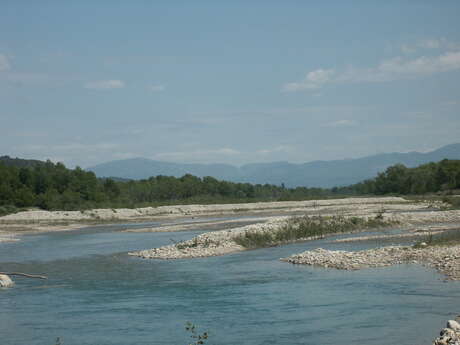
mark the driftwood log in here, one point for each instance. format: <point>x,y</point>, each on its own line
<point>24,275</point>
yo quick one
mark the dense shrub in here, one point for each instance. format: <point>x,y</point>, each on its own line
<point>398,179</point>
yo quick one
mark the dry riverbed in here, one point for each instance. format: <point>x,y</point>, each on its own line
<point>43,221</point>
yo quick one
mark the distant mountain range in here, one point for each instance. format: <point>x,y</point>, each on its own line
<point>311,174</point>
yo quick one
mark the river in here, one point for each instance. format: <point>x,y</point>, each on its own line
<point>96,295</point>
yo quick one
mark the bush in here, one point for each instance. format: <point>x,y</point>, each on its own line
<point>8,209</point>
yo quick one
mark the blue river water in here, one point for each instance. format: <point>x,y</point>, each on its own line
<point>96,294</point>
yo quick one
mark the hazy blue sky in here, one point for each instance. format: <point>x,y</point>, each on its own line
<point>84,82</point>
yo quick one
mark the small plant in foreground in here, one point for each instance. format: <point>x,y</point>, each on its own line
<point>198,338</point>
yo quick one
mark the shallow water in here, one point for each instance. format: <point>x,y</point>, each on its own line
<point>96,295</point>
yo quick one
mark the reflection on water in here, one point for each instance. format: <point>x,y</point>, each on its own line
<point>96,295</point>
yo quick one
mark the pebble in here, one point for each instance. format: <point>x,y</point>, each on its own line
<point>449,335</point>
<point>5,281</point>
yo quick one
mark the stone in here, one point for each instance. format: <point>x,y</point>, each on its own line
<point>447,332</point>
<point>5,281</point>
<point>441,341</point>
<point>452,324</point>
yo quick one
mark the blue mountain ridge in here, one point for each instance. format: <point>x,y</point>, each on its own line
<point>311,174</point>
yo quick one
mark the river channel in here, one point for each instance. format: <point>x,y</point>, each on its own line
<point>96,295</point>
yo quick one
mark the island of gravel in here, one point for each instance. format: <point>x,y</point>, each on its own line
<point>414,217</point>
<point>445,259</point>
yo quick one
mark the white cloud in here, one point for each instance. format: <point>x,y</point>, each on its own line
<point>388,70</point>
<point>277,149</point>
<point>313,80</point>
<point>4,63</point>
<point>105,84</point>
<point>432,43</point>
<point>429,44</point>
<point>340,123</point>
<point>408,49</point>
<point>157,88</point>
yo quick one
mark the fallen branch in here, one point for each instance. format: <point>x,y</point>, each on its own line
<point>24,275</point>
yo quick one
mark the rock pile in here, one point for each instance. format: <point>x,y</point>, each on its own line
<point>444,259</point>
<point>449,335</point>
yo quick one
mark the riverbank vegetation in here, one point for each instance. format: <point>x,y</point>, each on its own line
<point>443,176</point>
<point>299,228</point>
<point>52,186</point>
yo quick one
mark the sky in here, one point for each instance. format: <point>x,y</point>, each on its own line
<point>85,82</point>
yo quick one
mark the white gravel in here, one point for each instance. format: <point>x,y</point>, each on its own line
<point>444,259</point>
<point>388,203</point>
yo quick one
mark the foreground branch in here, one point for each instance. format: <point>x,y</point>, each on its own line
<point>24,275</point>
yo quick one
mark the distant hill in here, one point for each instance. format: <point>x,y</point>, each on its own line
<point>19,162</point>
<point>311,174</point>
<point>139,168</point>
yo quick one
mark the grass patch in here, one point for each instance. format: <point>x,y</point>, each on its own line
<point>304,227</point>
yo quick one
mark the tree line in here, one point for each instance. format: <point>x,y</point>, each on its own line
<point>398,179</point>
<point>52,186</point>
